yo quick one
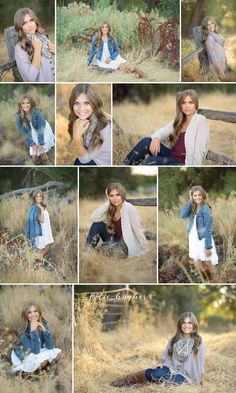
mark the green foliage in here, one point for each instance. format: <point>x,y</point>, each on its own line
<point>169,8</point>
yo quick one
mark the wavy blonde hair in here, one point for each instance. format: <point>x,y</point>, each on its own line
<point>24,322</point>
<point>20,110</point>
<point>204,197</point>
<point>180,117</point>
<point>205,31</point>
<point>112,209</point>
<point>99,33</point>
<point>42,195</point>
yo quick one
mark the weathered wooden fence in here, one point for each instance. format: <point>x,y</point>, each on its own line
<point>11,39</point>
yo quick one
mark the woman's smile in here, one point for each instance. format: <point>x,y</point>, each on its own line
<point>29,26</point>
<point>197,197</point>
<point>82,108</point>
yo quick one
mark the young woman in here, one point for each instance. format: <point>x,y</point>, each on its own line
<point>106,49</point>
<point>89,127</point>
<point>188,137</point>
<point>34,53</point>
<point>201,243</point>
<point>117,224</point>
<point>36,347</point>
<point>35,130</point>
<point>181,362</point>
<point>38,227</point>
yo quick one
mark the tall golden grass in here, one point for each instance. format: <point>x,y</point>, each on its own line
<point>140,120</point>
<point>55,302</point>
<point>101,357</point>
<point>17,264</point>
<point>173,234</point>
<point>95,267</point>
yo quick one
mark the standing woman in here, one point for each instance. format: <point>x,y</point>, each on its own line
<point>89,127</point>
<point>182,361</point>
<point>117,224</point>
<point>38,226</point>
<point>214,44</point>
<point>187,134</point>
<point>34,53</point>
<point>35,130</point>
<point>36,347</point>
<point>105,47</point>
<point>201,243</point>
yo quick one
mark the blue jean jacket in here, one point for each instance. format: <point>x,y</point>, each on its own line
<point>113,49</point>
<point>203,222</point>
<point>38,123</point>
<point>33,226</point>
<point>33,342</point>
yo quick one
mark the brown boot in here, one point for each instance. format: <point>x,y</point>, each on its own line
<point>130,379</point>
<point>36,160</point>
<point>44,159</point>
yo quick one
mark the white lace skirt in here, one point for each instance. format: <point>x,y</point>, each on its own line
<point>197,247</point>
<point>49,139</point>
<point>114,64</point>
<point>32,361</point>
<point>46,238</point>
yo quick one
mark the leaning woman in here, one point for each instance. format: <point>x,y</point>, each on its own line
<point>35,130</point>
<point>187,136</point>
<point>117,224</point>
<point>89,127</point>
<point>34,53</point>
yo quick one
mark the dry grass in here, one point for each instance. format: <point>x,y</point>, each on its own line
<point>56,307</point>
<point>173,236</point>
<point>98,268</point>
<point>140,120</point>
<point>65,155</point>
<point>101,357</point>
<point>17,264</point>
<point>78,70</point>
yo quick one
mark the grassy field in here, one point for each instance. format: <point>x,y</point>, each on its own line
<point>61,263</point>
<point>55,303</point>
<point>174,263</point>
<point>101,357</point>
<point>140,120</point>
<point>64,154</point>
<point>97,268</point>
<point>13,147</point>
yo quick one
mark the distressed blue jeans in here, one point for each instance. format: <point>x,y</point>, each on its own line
<point>141,154</point>
<point>162,374</point>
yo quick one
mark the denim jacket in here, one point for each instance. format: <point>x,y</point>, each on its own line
<point>113,49</point>
<point>33,342</point>
<point>203,222</point>
<point>33,226</point>
<point>38,123</point>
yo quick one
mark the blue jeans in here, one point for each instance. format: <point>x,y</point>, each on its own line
<point>110,244</point>
<point>90,163</point>
<point>141,154</point>
<point>163,374</point>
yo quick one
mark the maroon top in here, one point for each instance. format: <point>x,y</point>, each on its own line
<point>178,150</point>
<point>118,230</point>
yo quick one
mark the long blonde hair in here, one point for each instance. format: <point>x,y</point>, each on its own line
<point>195,335</point>
<point>42,195</point>
<point>20,110</point>
<point>18,22</point>
<point>97,105</point>
<point>112,209</point>
<point>204,198</point>
<point>205,31</point>
<point>99,33</point>
<point>24,322</point>
<point>180,117</point>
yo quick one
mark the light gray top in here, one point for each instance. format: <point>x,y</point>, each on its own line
<point>215,54</point>
<point>102,154</point>
<point>29,73</point>
<point>196,139</point>
<point>191,369</point>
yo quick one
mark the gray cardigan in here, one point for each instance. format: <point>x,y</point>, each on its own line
<point>196,139</point>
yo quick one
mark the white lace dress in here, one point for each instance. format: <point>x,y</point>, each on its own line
<point>46,238</point>
<point>49,139</point>
<point>114,64</point>
<point>32,361</point>
<point>197,247</point>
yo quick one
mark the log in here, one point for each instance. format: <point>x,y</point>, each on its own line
<point>143,201</point>
<point>44,187</point>
<point>229,117</point>
<point>219,159</point>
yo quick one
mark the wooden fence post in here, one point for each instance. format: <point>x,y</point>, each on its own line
<point>203,61</point>
<point>10,36</point>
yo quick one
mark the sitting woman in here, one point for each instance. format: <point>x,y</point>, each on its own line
<point>34,53</point>
<point>89,127</point>
<point>35,130</point>
<point>182,361</point>
<point>106,48</point>
<point>117,224</point>
<point>188,137</point>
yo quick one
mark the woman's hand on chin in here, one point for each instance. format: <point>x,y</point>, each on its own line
<point>79,128</point>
